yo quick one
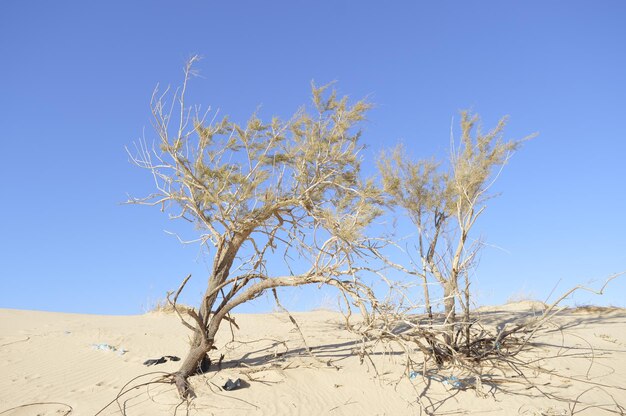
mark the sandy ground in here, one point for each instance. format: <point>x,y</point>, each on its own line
<point>51,363</point>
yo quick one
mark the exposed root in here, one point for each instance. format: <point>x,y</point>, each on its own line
<point>128,387</point>
<point>185,391</point>
<point>69,410</point>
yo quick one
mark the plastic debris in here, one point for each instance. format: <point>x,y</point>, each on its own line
<point>155,361</point>
<point>161,360</point>
<point>452,381</point>
<point>108,347</point>
<point>104,347</point>
<point>232,385</point>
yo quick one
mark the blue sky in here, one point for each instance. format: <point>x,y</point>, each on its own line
<point>77,78</point>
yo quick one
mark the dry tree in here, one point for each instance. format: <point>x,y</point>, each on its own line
<point>444,207</point>
<point>289,189</point>
<point>444,201</point>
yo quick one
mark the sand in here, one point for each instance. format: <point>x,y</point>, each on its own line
<point>52,363</point>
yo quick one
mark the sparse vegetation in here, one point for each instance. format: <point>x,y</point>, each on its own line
<point>444,207</point>
<point>293,190</point>
<point>289,189</point>
<point>165,306</point>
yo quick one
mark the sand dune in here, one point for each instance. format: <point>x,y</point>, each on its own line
<point>52,363</point>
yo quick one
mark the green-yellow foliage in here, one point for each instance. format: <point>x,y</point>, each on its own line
<point>234,177</point>
<point>447,201</point>
<point>422,189</point>
<point>477,159</point>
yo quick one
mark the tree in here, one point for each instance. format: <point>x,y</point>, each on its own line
<point>284,188</point>
<point>444,207</point>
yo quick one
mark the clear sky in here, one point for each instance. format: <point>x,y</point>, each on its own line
<point>77,77</point>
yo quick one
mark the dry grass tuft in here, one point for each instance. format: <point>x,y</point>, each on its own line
<point>163,306</point>
<point>596,309</point>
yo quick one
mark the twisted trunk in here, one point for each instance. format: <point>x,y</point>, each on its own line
<point>197,359</point>
<point>196,356</point>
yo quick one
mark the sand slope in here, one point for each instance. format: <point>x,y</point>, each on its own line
<point>50,358</point>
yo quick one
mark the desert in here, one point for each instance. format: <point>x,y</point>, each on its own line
<point>51,365</point>
<point>312,208</point>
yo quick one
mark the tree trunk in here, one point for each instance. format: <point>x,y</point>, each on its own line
<point>467,315</point>
<point>191,365</point>
<point>197,359</point>
<point>203,339</point>
<point>449,293</point>
<point>427,306</point>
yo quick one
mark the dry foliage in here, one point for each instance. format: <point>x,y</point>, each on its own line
<point>292,189</point>
<point>165,306</point>
<point>279,189</point>
<point>444,206</point>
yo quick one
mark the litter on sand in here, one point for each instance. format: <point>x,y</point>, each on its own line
<point>454,382</point>
<point>161,360</point>
<point>451,381</point>
<point>232,385</point>
<point>108,347</point>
